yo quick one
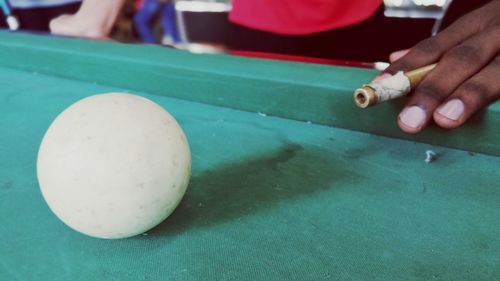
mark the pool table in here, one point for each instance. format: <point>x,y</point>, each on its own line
<point>290,180</point>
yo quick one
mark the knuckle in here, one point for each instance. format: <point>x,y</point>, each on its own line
<point>471,18</point>
<point>465,54</point>
<point>496,63</point>
<point>475,93</point>
<point>430,92</point>
<point>429,45</point>
<point>425,50</point>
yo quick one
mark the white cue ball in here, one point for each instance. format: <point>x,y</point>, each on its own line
<point>113,165</point>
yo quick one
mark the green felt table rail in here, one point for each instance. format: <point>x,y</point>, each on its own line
<point>306,92</point>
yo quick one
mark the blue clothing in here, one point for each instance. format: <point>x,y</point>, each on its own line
<point>144,16</point>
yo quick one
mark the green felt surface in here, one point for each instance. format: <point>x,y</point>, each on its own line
<point>270,199</point>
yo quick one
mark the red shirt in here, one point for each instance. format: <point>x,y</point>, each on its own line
<point>301,16</point>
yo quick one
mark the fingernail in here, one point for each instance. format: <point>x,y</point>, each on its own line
<point>397,55</point>
<point>381,76</point>
<point>453,109</point>
<point>413,117</point>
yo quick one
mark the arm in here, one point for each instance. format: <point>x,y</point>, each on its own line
<point>466,78</point>
<point>94,19</point>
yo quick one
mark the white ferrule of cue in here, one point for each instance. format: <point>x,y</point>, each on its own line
<point>391,87</point>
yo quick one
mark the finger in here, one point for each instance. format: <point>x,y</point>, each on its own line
<point>397,55</point>
<point>455,67</point>
<point>431,49</point>
<point>392,58</point>
<point>59,24</point>
<point>473,95</point>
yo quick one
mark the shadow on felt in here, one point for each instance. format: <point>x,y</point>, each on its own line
<point>234,191</point>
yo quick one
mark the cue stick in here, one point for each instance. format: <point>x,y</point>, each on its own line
<point>391,87</point>
<point>11,20</point>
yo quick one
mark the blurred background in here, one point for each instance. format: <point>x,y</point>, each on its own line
<point>203,26</point>
<point>206,21</point>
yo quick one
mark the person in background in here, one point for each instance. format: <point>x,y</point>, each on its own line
<point>354,30</point>
<point>143,21</point>
<point>94,19</point>
<point>81,18</point>
<point>35,15</point>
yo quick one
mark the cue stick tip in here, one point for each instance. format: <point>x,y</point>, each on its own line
<point>365,97</point>
<point>392,87</point>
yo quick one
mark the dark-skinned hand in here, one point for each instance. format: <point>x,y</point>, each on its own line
<point>467,77</point>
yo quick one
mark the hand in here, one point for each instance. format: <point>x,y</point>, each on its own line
<point>94,19</point>
<point>75,26</point>
<point>467,77</point>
